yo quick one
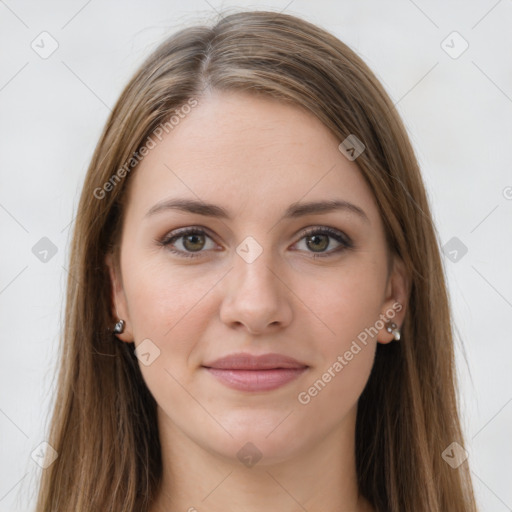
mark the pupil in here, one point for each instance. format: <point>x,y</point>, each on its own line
<point>193,237</point>
<point>316,237</point>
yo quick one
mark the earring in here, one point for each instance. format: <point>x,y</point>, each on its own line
<point>119,327</point>
<point>393,328</point>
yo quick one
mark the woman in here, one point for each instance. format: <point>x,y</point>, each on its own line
<point>257,316</point>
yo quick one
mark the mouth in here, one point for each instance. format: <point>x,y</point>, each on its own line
<point>246,372</point>
<point>256,380</point>
<point>245,361</point>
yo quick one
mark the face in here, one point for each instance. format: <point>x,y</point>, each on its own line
<point>266,277</point>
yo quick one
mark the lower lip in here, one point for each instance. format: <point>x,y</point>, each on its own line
<point>256,380</point>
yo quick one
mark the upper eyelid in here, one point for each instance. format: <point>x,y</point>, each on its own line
<point>178,233</point>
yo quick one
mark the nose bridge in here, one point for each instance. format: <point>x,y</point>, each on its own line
<point>254,266</point>
<point>255,296</point>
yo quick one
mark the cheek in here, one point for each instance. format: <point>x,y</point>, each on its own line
<point>334,390</point>
<point>163,298</point>
<point>346,301</point>
<point>170,306</point>
<point>348,307</point>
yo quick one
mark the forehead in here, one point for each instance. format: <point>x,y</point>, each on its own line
<point>248,154</point>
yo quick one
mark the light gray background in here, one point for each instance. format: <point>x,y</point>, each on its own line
<point>459,115</point>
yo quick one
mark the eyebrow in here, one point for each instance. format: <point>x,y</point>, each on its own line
<point>295,210</point>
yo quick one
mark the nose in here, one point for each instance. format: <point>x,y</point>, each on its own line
<point>256,297</point>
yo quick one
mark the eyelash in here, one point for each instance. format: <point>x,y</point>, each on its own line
<point>337,235</point>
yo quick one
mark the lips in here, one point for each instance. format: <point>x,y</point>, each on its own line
<point>245,372</point>
<point>243,361</point>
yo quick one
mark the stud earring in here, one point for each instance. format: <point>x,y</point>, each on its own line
<point>119,327</point>
<point>393,328</point>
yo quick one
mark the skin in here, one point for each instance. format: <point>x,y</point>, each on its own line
<point>254,157</point>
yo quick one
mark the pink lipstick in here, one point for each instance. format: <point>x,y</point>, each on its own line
<point>246,372</point>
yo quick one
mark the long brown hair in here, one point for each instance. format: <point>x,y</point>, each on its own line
<point>104,426</point>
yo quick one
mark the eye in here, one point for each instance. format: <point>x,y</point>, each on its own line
<point>191,242</point>
<point>318,239</point>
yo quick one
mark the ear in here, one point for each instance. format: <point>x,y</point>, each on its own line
<point>118,299</point>
<point>396,299</point>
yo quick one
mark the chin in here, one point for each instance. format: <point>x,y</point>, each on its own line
<point>256,442</point>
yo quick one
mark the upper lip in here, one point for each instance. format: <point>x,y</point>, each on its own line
<point>244,361</point>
